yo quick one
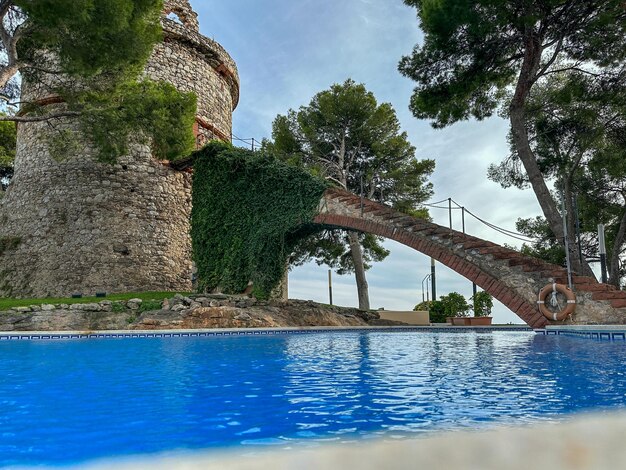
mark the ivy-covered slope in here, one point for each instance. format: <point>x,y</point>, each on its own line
<point>249,209</point>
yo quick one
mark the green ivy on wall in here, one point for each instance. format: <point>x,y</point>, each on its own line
<point>249,210</point>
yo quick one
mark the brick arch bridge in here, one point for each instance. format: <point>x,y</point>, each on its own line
<point>510,277</point>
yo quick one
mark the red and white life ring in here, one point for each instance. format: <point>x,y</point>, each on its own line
<point>553,289</point>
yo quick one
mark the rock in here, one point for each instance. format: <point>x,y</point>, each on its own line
<point>48,307</point>
<point>194,304</point>
<point>276,314</point>
<point>90,307</point>
<point>134,304</point>
<point>166,304</point>
<point>218,296</point>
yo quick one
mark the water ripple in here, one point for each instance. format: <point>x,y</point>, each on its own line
<point>67,402</point>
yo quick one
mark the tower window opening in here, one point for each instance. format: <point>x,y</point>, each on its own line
<point>174,17</point>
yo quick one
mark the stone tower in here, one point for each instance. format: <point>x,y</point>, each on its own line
<point>82,226</point>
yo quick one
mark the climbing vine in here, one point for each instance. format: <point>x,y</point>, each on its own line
<point>249,210</point>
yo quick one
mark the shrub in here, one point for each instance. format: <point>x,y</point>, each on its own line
<point>483,303</point>
<point>437,312</point>
<point>423,306</point>
<point>455,305</point>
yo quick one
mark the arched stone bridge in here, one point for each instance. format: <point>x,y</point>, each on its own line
<point>510,277</point>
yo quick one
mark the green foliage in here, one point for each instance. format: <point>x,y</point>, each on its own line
<point>331,248</point>
<point>482,56</point>
<point>473,51</point>
<point>91,54</point>
<point>482,304</point>
<point>455,305</point>
<point>437,312</point>
<point>8,136</point>
<point>546,246</point>
<point>577,127</point>
<point>154,111</point>
<point>118,307</point>
<point>346,137</point>
<point>249,210</point>
<point>91,37</point>
<point>148,305</point>
<point>9,243</point>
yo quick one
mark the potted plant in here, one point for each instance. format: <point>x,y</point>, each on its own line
<point>456,308</point>
<point>482,305</point>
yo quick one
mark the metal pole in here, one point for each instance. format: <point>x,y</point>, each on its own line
<point>450,211</point>
<point>463,218</point>
<point>253,144</point>
<point>602,253</point>
<point>330,286</point>
<point>580,248</point>
<point>424,280</point>
<point>361,177</point>
<point>566,240</point>
<point>433,278</point>
<point>463,222</point>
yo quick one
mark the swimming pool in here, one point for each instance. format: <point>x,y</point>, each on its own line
<point>64,402</point>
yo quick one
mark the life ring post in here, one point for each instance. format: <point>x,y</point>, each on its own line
<point>553,289</point>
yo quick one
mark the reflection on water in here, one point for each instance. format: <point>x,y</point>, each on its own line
<point>63,402</point>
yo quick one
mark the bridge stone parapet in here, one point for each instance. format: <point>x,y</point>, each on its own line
<point>511,277</point>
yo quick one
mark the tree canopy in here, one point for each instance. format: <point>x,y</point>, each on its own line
<point>577,125</point>
<point>90,54</point>
<point>482,56</point>
<point>346,137</point>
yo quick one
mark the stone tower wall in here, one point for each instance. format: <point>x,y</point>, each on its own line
<point>82,226</point>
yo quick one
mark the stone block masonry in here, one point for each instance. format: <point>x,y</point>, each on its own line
<point>85,226</point>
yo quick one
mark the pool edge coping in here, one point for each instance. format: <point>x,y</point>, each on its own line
<point>206,332</point>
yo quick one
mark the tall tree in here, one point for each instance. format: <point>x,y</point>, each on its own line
<point>89,55</point>
<point>473,52</point>
<point>576,124</point>
<point>345,136</point>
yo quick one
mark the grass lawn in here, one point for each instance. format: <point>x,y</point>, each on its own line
<point>6,303</point>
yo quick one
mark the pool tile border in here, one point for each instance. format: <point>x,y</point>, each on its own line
<point>595,332</point>
<point>75,335</point>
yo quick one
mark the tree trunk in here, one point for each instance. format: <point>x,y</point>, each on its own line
<point>519,134</point>
<point>579,266</point>
<point>614,274</point>
<point>359,271</point>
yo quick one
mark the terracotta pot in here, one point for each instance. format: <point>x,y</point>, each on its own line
<point>480,321</point>
<point>460,321</point>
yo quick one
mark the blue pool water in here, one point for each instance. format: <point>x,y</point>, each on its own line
<point>65,402</point>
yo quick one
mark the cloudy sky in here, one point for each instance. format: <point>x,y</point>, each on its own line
<point>287,51</point>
